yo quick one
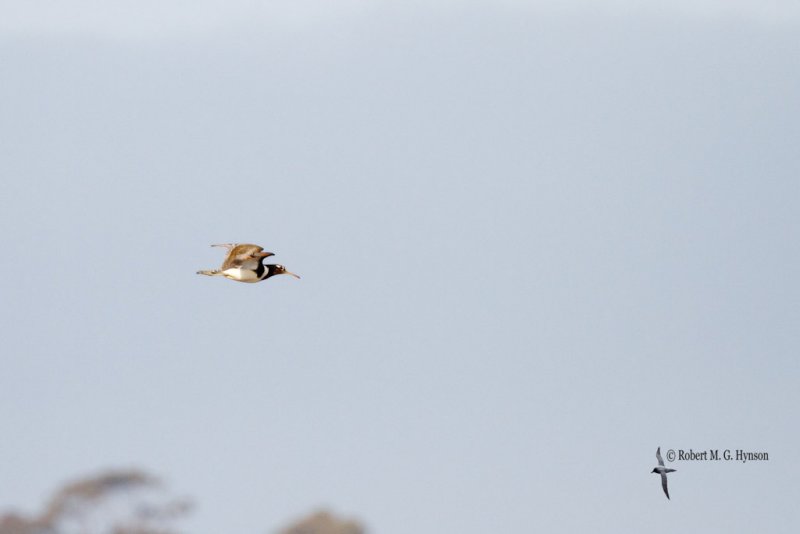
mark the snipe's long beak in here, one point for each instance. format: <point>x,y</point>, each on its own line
<point>263,254</point>
<point>291,274</point>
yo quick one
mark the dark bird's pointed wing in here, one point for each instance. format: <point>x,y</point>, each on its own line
<point>664,484</point>
<point>660,460</point>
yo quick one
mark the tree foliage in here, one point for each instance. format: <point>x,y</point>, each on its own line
<point>323,522</point>
<point>114,502</point>
<point>133,502</point>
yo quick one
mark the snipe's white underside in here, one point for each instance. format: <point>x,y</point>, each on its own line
<point>240,275</point>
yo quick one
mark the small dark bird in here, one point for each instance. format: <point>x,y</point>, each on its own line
<point>244,263</point>
<point>661,470</point>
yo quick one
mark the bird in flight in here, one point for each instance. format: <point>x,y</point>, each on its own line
<point>661,470</point>
<point>244,263</point>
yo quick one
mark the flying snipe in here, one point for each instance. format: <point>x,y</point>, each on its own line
<point>244,263</point>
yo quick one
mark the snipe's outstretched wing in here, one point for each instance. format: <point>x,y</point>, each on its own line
<point>245,256</point>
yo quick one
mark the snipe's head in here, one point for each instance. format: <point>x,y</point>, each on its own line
<point>280,269</point>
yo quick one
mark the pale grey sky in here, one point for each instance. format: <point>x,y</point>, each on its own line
<point>535,245</point>
<point>143,20</point>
